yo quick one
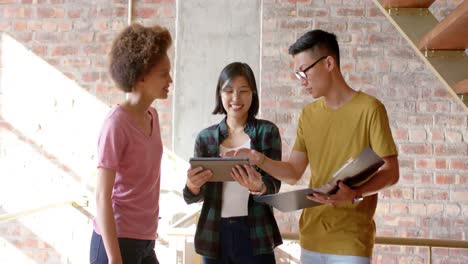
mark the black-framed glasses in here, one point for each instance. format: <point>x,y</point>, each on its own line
<point>301,75</point>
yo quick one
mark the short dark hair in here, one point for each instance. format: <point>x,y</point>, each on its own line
<point>135,51</point>
<point>317,39</point>
<point>230,72</point>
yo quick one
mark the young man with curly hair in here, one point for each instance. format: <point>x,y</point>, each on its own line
<point>130,150</point>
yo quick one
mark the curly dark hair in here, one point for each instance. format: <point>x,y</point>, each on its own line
<point>135,51</point>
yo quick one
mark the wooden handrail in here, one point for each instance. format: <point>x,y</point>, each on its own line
<point>178,230</point>
<point>404,241</point>
<point>397,241</point>
<point>190,216</point>
<point>14,215</point>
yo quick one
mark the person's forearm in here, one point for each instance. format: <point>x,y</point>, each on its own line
<point>283,171</point>
<point>189,195</point>
<point>106,223</point>
<point>194,190</point>
<point>383,179</point>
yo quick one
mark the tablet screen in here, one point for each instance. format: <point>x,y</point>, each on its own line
<point>221,167</point>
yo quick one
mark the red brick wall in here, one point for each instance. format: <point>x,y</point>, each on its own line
<point>75,38</point>
<point>429,127</point>
<point>72,37</point>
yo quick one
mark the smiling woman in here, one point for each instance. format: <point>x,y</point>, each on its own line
<point>232,227</point>
<point>237,97</point>
<point>236,75</point>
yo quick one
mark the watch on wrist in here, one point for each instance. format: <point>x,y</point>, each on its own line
<point>263,160</point>
<point>358,197</point>
<point>262,190</point>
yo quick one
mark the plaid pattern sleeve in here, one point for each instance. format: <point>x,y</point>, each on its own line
<point>189,197</point>
<point>264,232</point>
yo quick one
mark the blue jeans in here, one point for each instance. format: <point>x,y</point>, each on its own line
<point>235,245</point>
<point>311,257</point>
<point>133,251</point>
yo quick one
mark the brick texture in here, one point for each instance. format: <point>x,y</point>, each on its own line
<point>75,38</point>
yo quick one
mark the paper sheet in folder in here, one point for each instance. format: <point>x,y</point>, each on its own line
<point>353,173</point>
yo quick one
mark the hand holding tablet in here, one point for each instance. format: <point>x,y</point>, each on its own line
<point>221,167</point>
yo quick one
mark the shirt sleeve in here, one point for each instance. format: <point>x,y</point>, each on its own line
<point>299,144</point>
<point>189,197</point>
<point>111,144</point>
<point>381,139</point>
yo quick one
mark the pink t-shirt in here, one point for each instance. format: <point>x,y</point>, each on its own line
<point>136,158</point>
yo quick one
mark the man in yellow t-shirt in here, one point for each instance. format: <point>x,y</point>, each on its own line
<point>331,130</point>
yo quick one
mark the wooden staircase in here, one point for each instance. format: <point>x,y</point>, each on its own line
<point>441,44</point>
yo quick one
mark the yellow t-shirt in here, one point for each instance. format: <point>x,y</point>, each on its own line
<point>330,138</point>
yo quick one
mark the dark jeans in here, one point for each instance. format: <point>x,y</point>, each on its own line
<point>133,251</point>
<point>235,245</point>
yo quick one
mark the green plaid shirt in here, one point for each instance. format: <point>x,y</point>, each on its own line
<point>264,232</point>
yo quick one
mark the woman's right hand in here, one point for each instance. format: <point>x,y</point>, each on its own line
<point>196,178</point>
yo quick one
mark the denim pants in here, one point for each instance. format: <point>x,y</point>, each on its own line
<point>133,251</point>
<point>235,245</point>
<point>311,257</point>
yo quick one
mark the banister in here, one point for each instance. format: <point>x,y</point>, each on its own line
<point>178,231</point>
<point>76,204</point>
<point>404,241</point>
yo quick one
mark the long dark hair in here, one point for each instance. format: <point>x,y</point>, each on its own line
<point>228,74</point>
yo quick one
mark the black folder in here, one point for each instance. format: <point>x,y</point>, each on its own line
<point>353,173</point>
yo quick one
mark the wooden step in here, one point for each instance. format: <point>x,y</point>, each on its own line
<point>448,66</point>
<point>461,87</point>
<point>450,34</point>
<point>407,3</point>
